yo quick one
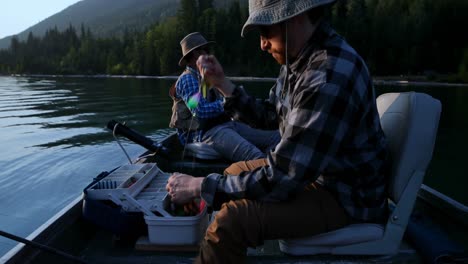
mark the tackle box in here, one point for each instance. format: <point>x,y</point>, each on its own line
<point>134,195</point>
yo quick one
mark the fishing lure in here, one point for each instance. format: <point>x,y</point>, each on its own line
<point>202,92</point>
<point>203,88</point>
<point>193,101</point>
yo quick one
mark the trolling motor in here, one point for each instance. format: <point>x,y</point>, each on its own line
<point>123,130</point>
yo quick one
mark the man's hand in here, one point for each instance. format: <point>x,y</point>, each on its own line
<point>213,73</point>
<point>183,188</point>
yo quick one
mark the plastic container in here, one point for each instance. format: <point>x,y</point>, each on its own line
<point>134,196</point>
<point>106,205</point>
<point>112,218</point>
<point>128,179</point>
<point>177,230</point>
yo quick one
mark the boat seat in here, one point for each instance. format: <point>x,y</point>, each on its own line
<point>202,151</point>
<point>409,121</point>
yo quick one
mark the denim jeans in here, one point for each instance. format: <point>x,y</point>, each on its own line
<point>237,141</point>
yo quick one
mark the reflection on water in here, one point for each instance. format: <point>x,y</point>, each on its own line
<point>54,139</point>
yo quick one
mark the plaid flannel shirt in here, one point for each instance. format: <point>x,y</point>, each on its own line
<point>330,133</point>
<point>187,86</point>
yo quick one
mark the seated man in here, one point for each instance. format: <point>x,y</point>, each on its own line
<point>330,167</point>
<point>201,118</point>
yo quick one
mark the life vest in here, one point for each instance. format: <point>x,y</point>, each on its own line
<point>182,118</point>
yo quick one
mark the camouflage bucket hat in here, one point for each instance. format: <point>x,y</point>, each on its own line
<point>269,12</point>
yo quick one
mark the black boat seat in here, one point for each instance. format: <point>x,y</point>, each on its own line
<point>202,151</point>
<point>409,121</point>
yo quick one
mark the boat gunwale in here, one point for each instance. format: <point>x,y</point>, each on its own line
<point>55,226</point>
<point>72,212</point>
<point>43,233</point>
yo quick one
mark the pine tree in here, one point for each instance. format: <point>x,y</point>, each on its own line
<point>187,16</point>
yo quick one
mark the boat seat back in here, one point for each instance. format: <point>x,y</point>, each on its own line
<point>202,151</point>
<point>409,121</point>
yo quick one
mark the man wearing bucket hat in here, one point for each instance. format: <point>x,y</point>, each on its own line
<point>201,118</point>
<point>328,170</point>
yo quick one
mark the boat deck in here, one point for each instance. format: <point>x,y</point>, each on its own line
<point>96,245</point>
<point>71,233</point>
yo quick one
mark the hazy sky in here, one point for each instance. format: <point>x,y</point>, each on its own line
<point>18,15</point>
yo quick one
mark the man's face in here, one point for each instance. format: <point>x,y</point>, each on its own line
<point>198,52</point>
<point>272,41</point>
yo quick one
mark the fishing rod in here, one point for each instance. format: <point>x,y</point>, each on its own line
<point>131,134</point>
<point>42,247</point>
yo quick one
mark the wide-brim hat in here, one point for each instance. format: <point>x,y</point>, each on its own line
<point>191,42</point>
<point>270,12</point>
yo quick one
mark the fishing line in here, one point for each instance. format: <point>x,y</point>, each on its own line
<point>285,88</point>
<point>42,247</point>
<point>193,103</point>
<point>115,136</point>
<point>186,139</point>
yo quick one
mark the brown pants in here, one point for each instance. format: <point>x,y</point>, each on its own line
<point>247,223</point>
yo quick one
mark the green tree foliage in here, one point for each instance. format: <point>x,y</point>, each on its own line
<point>167,46</point>
<point>204,4</point>
<point>393,36</point>
<point>187,16</point>
<point>463,69</point>
<point>357,25</point>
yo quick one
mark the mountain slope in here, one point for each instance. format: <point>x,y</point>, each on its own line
<point>103,17</point>
<point>108,17</point>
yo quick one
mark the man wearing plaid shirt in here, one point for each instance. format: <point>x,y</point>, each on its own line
<point>329,169</point>
<point>187,86</point>
<point>201,118</point>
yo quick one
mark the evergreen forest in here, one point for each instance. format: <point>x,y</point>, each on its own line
<point>395,37</point>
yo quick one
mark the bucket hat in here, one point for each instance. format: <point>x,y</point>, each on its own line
<point>191,42</point>
<point>269,12</point>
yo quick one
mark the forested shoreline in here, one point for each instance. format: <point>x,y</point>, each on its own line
<point>395,37</point>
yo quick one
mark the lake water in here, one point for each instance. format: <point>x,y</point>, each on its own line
<point>54,141</point>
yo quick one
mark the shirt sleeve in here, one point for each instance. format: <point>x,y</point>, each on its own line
<point>187,86</point>
<point>254,112</point>
<point>313,129</point>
